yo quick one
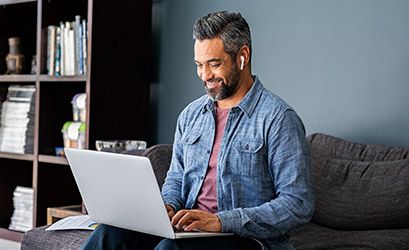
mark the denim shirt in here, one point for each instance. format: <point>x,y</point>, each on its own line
<point>263,182</point>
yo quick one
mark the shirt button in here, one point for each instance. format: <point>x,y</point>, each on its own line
<point>208,151</point>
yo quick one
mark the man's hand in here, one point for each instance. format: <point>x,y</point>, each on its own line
<point>196,220</point>
<point>170,211</point>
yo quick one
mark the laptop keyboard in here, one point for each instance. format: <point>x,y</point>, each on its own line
<point>176,230</point>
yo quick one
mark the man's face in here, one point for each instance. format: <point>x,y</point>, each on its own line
<point>215,67</point>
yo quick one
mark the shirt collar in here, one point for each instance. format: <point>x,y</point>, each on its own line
<point>248,103</point>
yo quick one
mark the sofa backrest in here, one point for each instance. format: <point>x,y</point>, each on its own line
<point>359,186</point>
<point>334,147</point>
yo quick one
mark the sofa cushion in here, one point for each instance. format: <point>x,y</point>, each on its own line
<point>334,147</point>
<point>357,195</point>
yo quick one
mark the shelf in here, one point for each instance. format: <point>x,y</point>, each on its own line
<point>46,78</point>
<point>24,157</point>
<point>43,78</point>
<point>17,78</point>
<point>53,159</point>
<point>5,2</point>
<point>11,235</point>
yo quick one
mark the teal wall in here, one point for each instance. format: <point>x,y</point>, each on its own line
<point>343,65</point>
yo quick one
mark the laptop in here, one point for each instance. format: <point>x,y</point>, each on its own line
<point>121,190</point>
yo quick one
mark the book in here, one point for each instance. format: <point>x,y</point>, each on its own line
<point>84,46</point>
<point>78,45</point>
<point>67,49</point>
<point>62,49</point>
<point>58,53</point>
<point>70,49</point>
<point>51,49</point>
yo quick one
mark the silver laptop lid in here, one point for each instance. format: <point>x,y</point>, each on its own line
<point>120,190</point>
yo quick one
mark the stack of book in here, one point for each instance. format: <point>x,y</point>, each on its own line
<point>22,219</point>
<point>17,120</point>
<point>67,48</point>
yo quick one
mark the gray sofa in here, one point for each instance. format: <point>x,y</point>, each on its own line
<point>362,198</point>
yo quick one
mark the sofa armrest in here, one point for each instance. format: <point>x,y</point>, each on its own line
<point>160,156</point>
<point>138,152</point>
<point>39,239</point>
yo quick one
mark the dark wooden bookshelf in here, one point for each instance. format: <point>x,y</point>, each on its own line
<point>116,84</point>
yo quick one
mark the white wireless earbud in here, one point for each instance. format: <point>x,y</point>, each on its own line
<point>242,62</point>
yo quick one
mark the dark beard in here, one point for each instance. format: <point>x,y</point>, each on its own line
<point>226,89</point>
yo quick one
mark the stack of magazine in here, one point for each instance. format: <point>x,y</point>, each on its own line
<point>22,219</point>
<point>17,120</point>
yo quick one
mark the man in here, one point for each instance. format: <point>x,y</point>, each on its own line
<point>240,160</point>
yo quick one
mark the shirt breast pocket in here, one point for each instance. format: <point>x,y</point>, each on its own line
<point>249,157</point>
<point>191,148</point>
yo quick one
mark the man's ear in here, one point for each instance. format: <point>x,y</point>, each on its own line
<point>243,56</point>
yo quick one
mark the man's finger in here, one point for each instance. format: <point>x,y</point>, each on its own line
<point>194,226</point>
<point>178,215</point>
<point>187,219</point>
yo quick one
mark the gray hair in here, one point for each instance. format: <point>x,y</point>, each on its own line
<point>230,27</point>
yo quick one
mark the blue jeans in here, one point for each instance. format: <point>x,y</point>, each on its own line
<point>108,237</point>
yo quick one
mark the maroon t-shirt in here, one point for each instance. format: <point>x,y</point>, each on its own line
<point>207,198</point>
